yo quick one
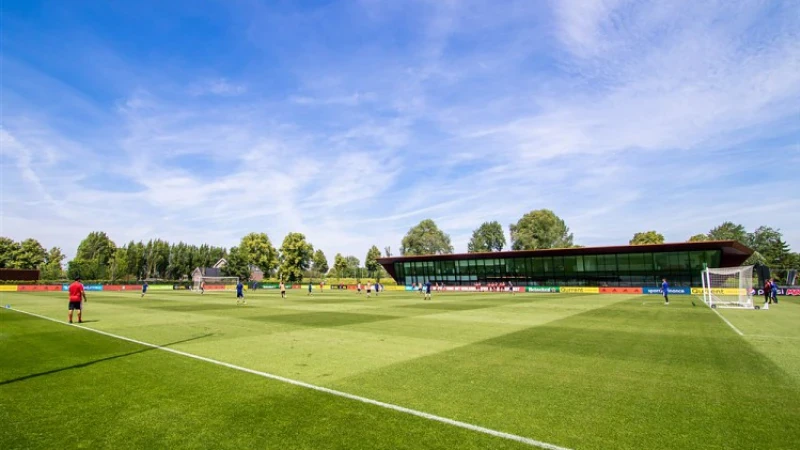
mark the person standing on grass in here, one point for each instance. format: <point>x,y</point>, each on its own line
<point>427,290</point>
<point>76,298</point>
<point>358,288</point>
<point>767,292</point>
<point>240,294</point>
<point>283,289</point>
<point>368,287</point>
<point>774,290</point>
<point>144,288</point>
<point>321,286</point>
<point>665,290</point>
<point>309,288</point>
<point>203,287</point>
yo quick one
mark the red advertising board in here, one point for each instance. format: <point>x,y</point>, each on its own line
<point>38,288</point>
<point>620,290</point>
<point>122,287</point>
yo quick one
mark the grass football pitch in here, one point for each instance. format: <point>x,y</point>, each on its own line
<point>570,371</point>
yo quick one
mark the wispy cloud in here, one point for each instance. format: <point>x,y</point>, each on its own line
<point>352,122</point>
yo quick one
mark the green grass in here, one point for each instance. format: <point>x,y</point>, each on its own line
<point>579,371</point>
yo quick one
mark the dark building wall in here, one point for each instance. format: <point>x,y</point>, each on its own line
<point>18,275</point>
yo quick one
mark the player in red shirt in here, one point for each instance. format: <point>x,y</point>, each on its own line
<point>76,298</point>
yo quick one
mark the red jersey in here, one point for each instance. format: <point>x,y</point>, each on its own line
<point>75,292</point>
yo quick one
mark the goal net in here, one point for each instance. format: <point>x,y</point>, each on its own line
<point>214,283</point>
<point>728,287</point>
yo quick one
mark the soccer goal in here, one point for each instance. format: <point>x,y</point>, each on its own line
<point>728,287</point>
<point>214,283</point>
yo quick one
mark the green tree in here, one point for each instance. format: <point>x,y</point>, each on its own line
<point>119,264</point>
<point>488,237</point>
<point>296,256</point>
<point>729,231</point>
<point>764,239</point>
<point>353,266</point>
<point>320,263</point>
<point>98,247</point>
<point>371,261</point>
<point>237,265</point>
<point>87,270</point>
<point>647,237</point>
<point>8,252</point>
<point>699,238</point>
<point>540,229</point>
<point>257,250</point>
<point>31,255</point>
<point>136,260</point>
<point>52,269</point>
<point>339,265</point>
<point>387,252</point>
<point>426,239</point>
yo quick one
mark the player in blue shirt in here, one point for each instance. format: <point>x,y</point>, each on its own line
<point>427,290</point>
<point>144,289</point>
<point>240,294</point>
<point>774,290</point>
<point>309,288</point>
<point>665,291</point>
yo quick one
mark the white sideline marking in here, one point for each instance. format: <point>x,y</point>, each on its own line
<point>727,321</point>
<point>413,412</point>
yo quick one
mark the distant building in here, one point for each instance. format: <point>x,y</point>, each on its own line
<point>216,271</point>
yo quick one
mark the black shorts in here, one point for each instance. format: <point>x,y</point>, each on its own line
<point>369,291</point>
<point>239,295</point>
<point>75,306</point>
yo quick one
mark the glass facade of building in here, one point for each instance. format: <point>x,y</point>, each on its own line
<point>681,268</point>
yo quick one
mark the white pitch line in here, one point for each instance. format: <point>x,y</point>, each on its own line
<point>727,321</point>
<point>413,412</point>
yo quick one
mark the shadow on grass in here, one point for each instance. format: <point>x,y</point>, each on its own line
<point>90,363</point>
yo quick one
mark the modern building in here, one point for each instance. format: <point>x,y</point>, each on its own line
<point>628,265</point>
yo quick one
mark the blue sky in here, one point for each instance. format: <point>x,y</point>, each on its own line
<point>351,121</point>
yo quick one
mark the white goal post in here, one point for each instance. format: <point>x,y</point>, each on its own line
<point>213,282</point>
<point>728,287</point>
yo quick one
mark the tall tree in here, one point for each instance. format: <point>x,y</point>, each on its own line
<point>698,238</point>
<point>237,265</point>
<point>763,239</point>
<point>320,263</point>
<point>98,247</point>
<point>52,269</point>
<point>539,229</point>
<point>353,264</point>
<point>340,265</point>
<point>647,237</point>
<point>31,255</point>
<point>729,231</point>
<point>296,256</point>
<point>8,252</point>
<point>488,237</point>
<point>426,239</point>
<point>257,250</point>
<point>119,264</point>
<point>371,261</point>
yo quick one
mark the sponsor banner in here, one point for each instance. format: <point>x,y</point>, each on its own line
<point>86,287</point>
<point>717,291</point>
<point>155,287</point>
<point>656,290</point>
<point>126,287</point>
<point>760,292</point>
<point>270,285</point>
<point>620,290</point>
<point>394,288</point>
<point>793,291</point>
<point>578,290</point>
<point>8,288</point>
<point>38,288</point>
<point>542,289</point>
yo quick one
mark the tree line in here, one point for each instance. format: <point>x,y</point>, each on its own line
<point>98,257</point>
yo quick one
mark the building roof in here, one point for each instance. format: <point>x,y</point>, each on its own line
<point>733,253</point>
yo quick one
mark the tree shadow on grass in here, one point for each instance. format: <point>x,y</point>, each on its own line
<point>90,363</point>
